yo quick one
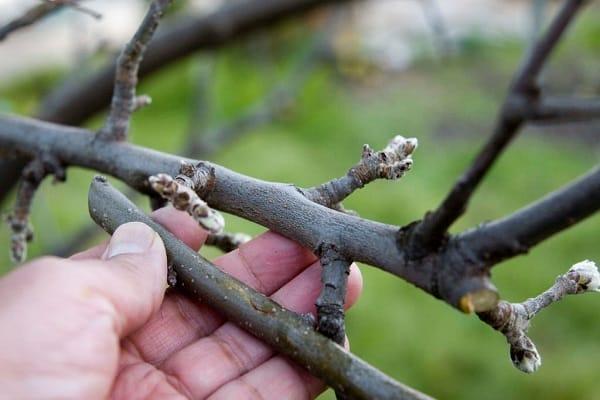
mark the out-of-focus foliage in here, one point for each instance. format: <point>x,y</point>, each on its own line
<point>450,106</point>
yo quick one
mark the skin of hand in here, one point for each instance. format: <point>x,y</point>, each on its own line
<point>99,324</point>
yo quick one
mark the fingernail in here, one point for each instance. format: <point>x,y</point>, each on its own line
<point>130,238</point>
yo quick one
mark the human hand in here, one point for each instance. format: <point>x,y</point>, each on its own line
<point>98,324</point>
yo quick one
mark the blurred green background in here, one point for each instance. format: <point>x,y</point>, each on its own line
<point>449,104</point>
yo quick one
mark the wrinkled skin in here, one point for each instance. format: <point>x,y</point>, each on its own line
<point>99,324</point>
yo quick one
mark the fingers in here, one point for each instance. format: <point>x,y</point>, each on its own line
<point>265,263</point>
<point>180,224</point>
<point>230,352</point>
<point>62,319</point>
<point>277,378</point>
<point>130,277</point>
<point>177,222</point>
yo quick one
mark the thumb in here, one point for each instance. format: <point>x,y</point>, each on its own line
<point>133,275</point>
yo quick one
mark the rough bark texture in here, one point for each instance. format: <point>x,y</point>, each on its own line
<point>285,331</point>
<point>330,304</point>
<point>460,267</point>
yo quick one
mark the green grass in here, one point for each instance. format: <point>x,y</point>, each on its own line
<point>450,108</point>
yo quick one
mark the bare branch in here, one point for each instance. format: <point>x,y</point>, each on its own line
<point>30,17</point>
<point>124,101</point>
<point>559,109</point>
<point>525,79</point>
<point>514,319</point>
<point>18,221</point>
<point>448,274</point>
<point>40,11</point>
<point>432,230</point>
<point>76,5</point>
<point>516,233</point>
<point>283,330</point>
<point>390,163</point>
<point>330,304</point>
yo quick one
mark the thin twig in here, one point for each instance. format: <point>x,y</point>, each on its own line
<point>330,304</point>
<point>390,163</point>
<point>285,331</point>
<point>124,101</point>
<point>30,17</point>
<point>514,319</point>
<point>18,220</point>
<point>40,11</point>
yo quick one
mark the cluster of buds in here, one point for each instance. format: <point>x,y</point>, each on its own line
<point>392,162</point>
<point>180,192</point>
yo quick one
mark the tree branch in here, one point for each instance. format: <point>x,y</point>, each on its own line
<point>515,234</point>
<point>18,221</point>
<point>40,11</point>
<point>559,109</point>
<point>124,101</point>
<point>30,17</point>
<point>283,330</point>
<point>514,319</point>
<point>390,163</point>
<point>448,274</point>
<point>330,304</point>
<point>431,232</point>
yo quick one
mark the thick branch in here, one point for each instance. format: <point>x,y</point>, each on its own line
<point>514,319</point>
<point>431,231</point>
<point>285,331</point>
<point>448,274</point>
<point>459,268</point>
<point>518,232</point>
<point>124,101</point>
